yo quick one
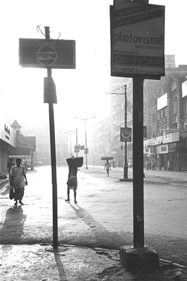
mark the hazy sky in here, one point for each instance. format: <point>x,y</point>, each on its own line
<point>80,92</point>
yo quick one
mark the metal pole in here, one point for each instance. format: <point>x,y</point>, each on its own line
<point>86,144</point>
<point>138,182</point>
<point>76,142</point>
<point>125,175</point>
<point>53,158</point>
<point>70,144</point>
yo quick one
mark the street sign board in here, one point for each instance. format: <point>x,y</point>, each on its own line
<point>49,90</point>
<point>125,134</point>
<point>76,148</point>
<point>86,151</point>
<point>137,40</point>
<point>45,53</point>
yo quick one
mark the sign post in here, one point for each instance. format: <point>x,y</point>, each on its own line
<point>138,182</point>
<point>53,155</point>
<point>49,54</point>
<point>125,136</point>
<point>137,51</point>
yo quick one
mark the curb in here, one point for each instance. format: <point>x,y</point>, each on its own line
<point>3,185</point>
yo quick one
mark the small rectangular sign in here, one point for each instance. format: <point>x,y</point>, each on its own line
<point>125,134</point>
<point>45,53</point>
<point>86,151</point>
<point>49,90</point>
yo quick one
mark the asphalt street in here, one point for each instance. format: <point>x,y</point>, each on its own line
<point>103,217</point>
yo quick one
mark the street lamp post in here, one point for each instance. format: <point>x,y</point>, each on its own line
<point>76,151</point>
<point>86,144</point>
<point>125,168</point>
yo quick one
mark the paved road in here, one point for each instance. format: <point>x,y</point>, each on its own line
<point>103,216</point>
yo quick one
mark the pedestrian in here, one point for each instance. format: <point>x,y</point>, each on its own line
<point>18,180</point>
<point>72,183</point>
<point>107,167</point>
<point>10,164</point>
<point>25,164</point>
<point>147,164</point>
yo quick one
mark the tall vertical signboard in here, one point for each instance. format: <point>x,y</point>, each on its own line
<point>137,40</point>
<point>137,51</point>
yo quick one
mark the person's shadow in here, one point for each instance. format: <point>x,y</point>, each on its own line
<point>12,229</point>
<point>104,237</point>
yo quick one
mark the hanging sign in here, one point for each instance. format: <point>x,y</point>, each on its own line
<point>49,90</point>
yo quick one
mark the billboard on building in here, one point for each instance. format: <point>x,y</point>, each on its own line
<point>162,101</point>
<point>184,89</point>
<point>7,134</point>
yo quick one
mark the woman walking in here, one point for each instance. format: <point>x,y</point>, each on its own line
<point>18,180</point>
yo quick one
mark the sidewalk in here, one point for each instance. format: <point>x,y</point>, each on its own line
<point>4,183</point>
<point>70,263</point>
<point>151,176</point>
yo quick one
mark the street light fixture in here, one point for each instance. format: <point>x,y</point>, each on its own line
<point>86,145</point>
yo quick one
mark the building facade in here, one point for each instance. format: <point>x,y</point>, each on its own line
<point>165,118</point>
<point>167,147</point>
<point>13,144</point>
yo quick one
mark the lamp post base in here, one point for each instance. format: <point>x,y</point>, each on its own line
<point>125,174</point>
<point>139,259</point>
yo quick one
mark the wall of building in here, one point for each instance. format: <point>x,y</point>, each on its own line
<point>7,140</point>
<point>3,156</point>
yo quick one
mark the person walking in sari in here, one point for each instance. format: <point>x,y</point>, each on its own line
<point>18,180</point>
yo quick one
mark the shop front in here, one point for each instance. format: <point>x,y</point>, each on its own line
<point>170,151</point>
<point>25,148</point>
<point>7,141</point>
